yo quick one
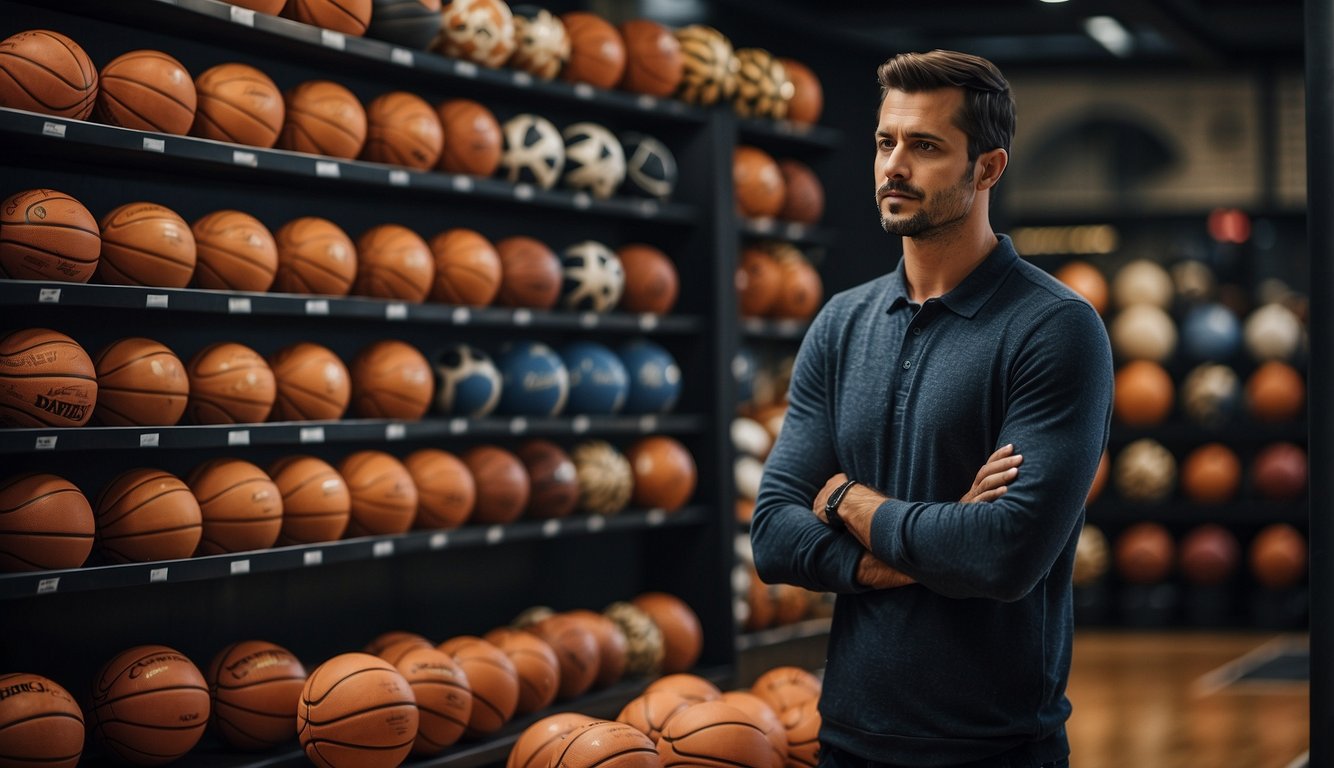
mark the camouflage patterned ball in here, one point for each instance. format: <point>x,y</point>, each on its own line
<point>762,86</point>
<point>606,480</point>
<point>542,47</point>
<point>710,68</point>
<point>481,31</point>
<point>644,648</point>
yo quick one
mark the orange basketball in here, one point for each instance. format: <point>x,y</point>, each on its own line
<point>1275,392</point>
<point>146,244</point>
<point>445,488</point>
<point>759,281</point>
<point>256,687</point>
<point>604,745</point>
<point>1099,479</point>
<point>393,262</point>
<point>147,514</point>
<point>530,273</point>
<point>241,507</point>
<point>46,380</point>
<point>394,644</point>
<point>502,484</point>
<point>651,282</point>
<point>597,52</point>
<point>757,182</point>
<point>534,746</point>
<point>347,16</point>
<point>391,380</point>
<point>316,501</point>
<point>612,646</point>
<point>236,252</point>
<point>467,268</point>
<point>323,118</point>
<point>807,96</point>
<point>535,663</point>
<point>1143,393</point>
<point>47,235</point>
<point>1086,280</point>
<point>801,290</point>
<point>786,687</point>
<point>45,71</point>
<point>492,678</point>
<point>139,383</point>
<point>148,91</point>
<point>803,734</point>
<point>552,478</point>
<point>649,712</point>
<point>664,471</point>
<point>402,129</point>
<point>384,498</point>
<point>473,143</point>
<point>45,523</point>
<point>712,733</point>
<point>356,710</point>
<point>765,718</point>
<point>682,636</point>
<point>443,693</point>
<point>150,705</point>
<point>803,199</point>
<point>576,650</point>
<point>314,256</point>
<point>654,64</point>
<point>229,384</point>
<point>238,103</point>
<point>40,723</point>
<point>1145,553</point>
<point>312,383</point>
<point>1211,474</point>
<point>692,688</point>
<point>1278,556</point>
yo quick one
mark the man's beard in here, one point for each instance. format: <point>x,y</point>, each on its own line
<point>937,213</point>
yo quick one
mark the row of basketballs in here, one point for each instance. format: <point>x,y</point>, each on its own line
<point>49,235</point>
<point>1206,555</point>
<point>1211,394</point>
<point>775,279</point>
<point>402,694</point>
<point>50,381</point>
<point>765,187</point>
<point>1146,472</point>
<point>228,505</point>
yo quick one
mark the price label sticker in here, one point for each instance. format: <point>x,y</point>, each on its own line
<point>312,435</point>
<point>243,16</point>
<point>523,191</point>
<point>583,201</point>
<point>317,307</point>
<point>465,69</point>
<point>584,91</point>
<point>154,145</point>
<point>551,528</point>
<point>238,437</point>
<point>149,440</point>
<point>382,549</point>
<point>518,425</point>
<point>396,311</point>
<point>648,321</point>
<point>589,319</point>
<point>248,159</point>
<point>656,517</point>
<point>495,534</point>
<point>646,101</point>
<point>522,79</point>
<point>648,208</point>
<point>461,183</point>
<point>795,231</point>
<point>238,305</point>
<point>402,57</point>
<point>580,424</point>
<point>156,301</point>
<point>239,567</point>
<point>47,586</point>
<point>327,170</point>
<point>648,423</point>
<point>458,426</point>
<point>788,326</point>
<point>332,39</point>
<point>48,296</point>
<point>400,178</point>
<point>46,442</point>
<point>156,575</point>
<point>438,541</point>
<point>764,226</point>
<point>56,130</point>
<point>312,557</point>
<point>395,431</point>
<point>523,316</point>
<point>460,316</point>
<point>596,523</point>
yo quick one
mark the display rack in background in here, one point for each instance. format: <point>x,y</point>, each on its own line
<point>1198,516</point>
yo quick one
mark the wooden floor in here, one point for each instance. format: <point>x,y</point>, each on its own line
<point>1148,701</point>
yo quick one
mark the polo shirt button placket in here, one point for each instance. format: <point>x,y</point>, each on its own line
<point>907,364</point>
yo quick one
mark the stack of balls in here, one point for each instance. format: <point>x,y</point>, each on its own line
<point>776,280</point>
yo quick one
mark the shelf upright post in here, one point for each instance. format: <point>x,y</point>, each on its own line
<point>1320,235</point>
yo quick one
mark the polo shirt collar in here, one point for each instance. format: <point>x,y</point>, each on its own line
<point>970,295</point>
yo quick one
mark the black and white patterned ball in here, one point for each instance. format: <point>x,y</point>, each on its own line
<point>650,167</point>
<point>534,151</point>
<point>542,46</point>
<point>594,277</point>
<point>594,160</point>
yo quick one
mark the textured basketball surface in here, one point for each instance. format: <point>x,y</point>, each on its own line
<point>242,509</point>
<point>712,733</point>
<point>802,290</point>
<point>147,90</point>
<point>323,118</point>
<point>612,648</point>
<point>314,256</point>
<point>803,734</point>
<point>445,488</point>
<point>576,649</point>
<point>229,384</point>
<point>40,723</point>
<point>531,273</point>
<point>764,718</point>
<point>552,478</point>
<point>597,52</point>
<point>316,502</point>
<point>391,380</point>
<point>786,687</point>
<point>689,687</point>
<point>654,64</point>
<point>665,473</point>
<point>649,712</point>
<point>443,694</point>
<point>147,514</point>
<point>45,523</point>
<point>803,200</point>
<point>349,17</point>
<point>402,129</point>
<point>312,383</point>
<point>473,142</point>
<point>605,745</point>
<point>534,746</point>
<point>256,687</point>
<point>467,268</point>
<point>393,262</point>
<point>384,498</point>
<point>356,711</point>
<point>238,103</point>
<point>45,71</point>
<point>502,484</point>
<point>534,661</point>
<point>46,380</point>
<point>150,705</point>
<point>757,182</point>
<point>807,96</point>
<point>235,252</point>
<point>651,281</point>
<point>493,679</point>
<point>140,382</point>
<point>682,637</point>
<point>47,235</point>
<point>146,244</point>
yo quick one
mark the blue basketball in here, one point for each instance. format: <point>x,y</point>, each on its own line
<point>469,382</point>
<point>599,382</point>
<point>1210,332</point>
<point>745,367</point>
<point>655,378</point>
<point>535,382</point>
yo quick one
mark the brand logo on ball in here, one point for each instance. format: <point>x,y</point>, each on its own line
<point>14,690</point>
<point>141,668</point>
<point>61,408</point>
<point>255,662</point>
<point>536,382</point>
<point>39,211</point>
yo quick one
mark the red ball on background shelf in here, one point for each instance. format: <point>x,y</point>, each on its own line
<point>1145,553</point>
<point>502,482</point>
<point>1209,555</point>
<point>531,274</point>
<point>1279,472</point>
<point>553,479</point>
<point>612,645</point>
<point>576,649</point>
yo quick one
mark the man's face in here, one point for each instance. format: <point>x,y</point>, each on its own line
<point>924,181</point>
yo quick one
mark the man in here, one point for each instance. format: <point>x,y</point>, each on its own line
<point>950,642</point>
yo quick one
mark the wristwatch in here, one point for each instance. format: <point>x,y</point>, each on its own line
<point>831,506</point>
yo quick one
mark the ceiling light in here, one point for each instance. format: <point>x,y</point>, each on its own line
<point>1053,1</point>
<point>1110,34</point>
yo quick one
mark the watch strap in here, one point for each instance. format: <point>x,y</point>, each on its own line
<point>831,506</point>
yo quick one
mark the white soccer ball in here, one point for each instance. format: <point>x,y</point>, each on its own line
<point>594,277</point>
<point>534,151</point>
<point>594,160</point>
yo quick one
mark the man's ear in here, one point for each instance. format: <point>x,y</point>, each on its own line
<point>990,166</point>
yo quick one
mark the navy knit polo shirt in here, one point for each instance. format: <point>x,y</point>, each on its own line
<point>972,660</point>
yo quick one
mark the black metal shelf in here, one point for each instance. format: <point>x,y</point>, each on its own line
<point>109,577</point>
<point>1243,512</point>
<point>764,638</point>
<point>29,440</point>
<point>214,21</point>
<point>43,293</point>
<point>785,135</point>
<point>1237,432</point>
<point>775,330</point>
<point>788,231</point>
<point>74,139</point>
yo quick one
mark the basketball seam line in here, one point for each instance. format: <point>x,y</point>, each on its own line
<point>150,254</point>
<point>153,475</point>
<point>161,93</point>
<point>54,74</point>
<point>34,499</point>
<point>145,534</point>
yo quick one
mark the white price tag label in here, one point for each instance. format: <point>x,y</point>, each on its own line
<point>795,231</point>
<point>243,16</point>
<point>149,440</point>
<point>648,423</point>
<point>589,319</point>
<point>656,517</point>
<point>550,528</point>
<point>396,311</point>
<point>788,326</point>
<point>317,307</point>
<point>332,39</point>
<point>522,79</point>
<point>382,549</point>
<point>154,145</point>
<point>523,316</point>
<point>395,431</point>
<point>523,191</point>
<point>596,523</point>
<point>240,567</point>
<point>238,437</point>
<point>248,159</point>
<point>580,424</point>
<point>518,425</point>
<point>47,586</point>
<point>461,183</point>
<point>238,305</point>
<point>583,201</point>
<point>48,296</point>
<point>458,426</point>
<point>764,226</point>
<point>399,178</point>
<point>156,301</point>
<point>156,575</point>
<point>54,129</point>
<point>326,169</point>
<point>648,208</point>
<point>465,69</point>
<point>313,557</point>
<point>646,101</point>
<point>495,534</point>
<point>312,435</point>
<point>46,442</point>
<point>438,541</point>
<point>460,316</point>
<point>402,57</point>
<point>584,91</point>
<point>648,321</point>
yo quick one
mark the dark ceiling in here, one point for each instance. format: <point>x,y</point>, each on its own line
<point>1203,33</point>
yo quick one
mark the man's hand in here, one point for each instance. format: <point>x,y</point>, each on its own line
<point>822,498</point>
<point>994,476</point>
<point>876,575</point>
